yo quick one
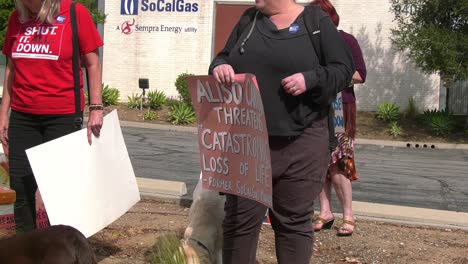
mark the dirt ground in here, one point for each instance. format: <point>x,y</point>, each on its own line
<point>129,240</point>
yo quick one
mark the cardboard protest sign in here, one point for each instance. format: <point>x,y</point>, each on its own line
<point>42,220</point>
<point>232,136</point>
<point>7,218</point>
<point>338,119</point>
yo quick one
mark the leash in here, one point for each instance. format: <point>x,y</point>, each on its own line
<point>201,245</point>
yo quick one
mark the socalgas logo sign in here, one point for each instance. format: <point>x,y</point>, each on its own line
<point>129,7</point>
<point>132,7</point>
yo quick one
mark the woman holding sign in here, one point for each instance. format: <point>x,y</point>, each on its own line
<point>341,170</point>
<point>40,89</point>
<point>273,41</point>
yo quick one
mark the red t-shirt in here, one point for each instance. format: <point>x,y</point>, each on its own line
<point>42,58</point>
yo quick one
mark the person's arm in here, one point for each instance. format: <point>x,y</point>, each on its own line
<point>7,84</point>
<point>357,78</point>
<point>89,43</point>
<point>93,68</point>
<point>324,82</point>
<point>361,70</point>
<point>219,67</point>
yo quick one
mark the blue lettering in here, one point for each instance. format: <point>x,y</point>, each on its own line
<point>160,3</point>
<point>338,121</point>
<point>180,5</point>
<point>144,5</point>
<point>168,6</point>
<point>337,104</point>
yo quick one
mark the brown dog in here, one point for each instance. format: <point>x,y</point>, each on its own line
<point>53,245</point>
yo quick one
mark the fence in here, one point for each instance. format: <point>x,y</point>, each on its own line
<point>458,98</point>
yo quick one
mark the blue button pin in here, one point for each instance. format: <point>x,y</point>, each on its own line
<point>293,28</point>
<point>60,19</point>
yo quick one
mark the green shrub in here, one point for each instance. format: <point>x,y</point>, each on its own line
<point>150,115</point>
<point>181,114</point>
<point>172,101</point>
<point>181,85</point>
<point>442,125</point>
<point>388,112</point>
<point>395,129</point>
<point>440,122</point>
<point>134,101</point>
<point>110,96</point>
<point>167,249</point>
<point>429,114</point>
<point>412,109</point>
<point>156,99</point>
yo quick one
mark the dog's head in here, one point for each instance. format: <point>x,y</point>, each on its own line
<point>55,244</point>
<point>196,252</point>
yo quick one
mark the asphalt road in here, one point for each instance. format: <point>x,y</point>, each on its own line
<point>423,177</point>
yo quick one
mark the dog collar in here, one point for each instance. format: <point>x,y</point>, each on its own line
<point>201,245</point>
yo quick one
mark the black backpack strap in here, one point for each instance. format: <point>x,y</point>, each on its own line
<point>312,24</point>
<point>248,18</point>
<point>76,65</point>
<point>245,20</point>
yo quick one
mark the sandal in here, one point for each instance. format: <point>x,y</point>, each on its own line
<point>344,231</point>
<point>326,224</point>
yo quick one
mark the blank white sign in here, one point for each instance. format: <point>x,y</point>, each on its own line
<point>87,187</point>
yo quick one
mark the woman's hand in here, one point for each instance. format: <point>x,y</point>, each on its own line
<point>294,84</point>
<point>94,124</point>
<point>224,74</point>
<point>4,132</point>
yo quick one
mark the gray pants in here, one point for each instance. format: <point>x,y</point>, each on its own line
<point>299,166</point>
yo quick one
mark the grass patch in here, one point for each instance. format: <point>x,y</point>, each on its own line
<point>167,249</point>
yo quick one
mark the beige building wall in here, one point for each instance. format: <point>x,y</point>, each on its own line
<point>162,56</point>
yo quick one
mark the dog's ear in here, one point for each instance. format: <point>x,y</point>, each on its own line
<point>188,232</point>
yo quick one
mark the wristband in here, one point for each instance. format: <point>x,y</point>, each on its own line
<point>96,107</point>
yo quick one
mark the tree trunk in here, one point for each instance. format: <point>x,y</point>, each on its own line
<point>447,83</point>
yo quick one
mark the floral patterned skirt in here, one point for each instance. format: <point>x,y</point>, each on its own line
<point>343,155</point>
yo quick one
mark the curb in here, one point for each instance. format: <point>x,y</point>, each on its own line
<point>177,192</point>
<point>161,188</point>
<point>411,215</point>
<point>359,141</point>
<point>159,126</point>
<point>412,144</point>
